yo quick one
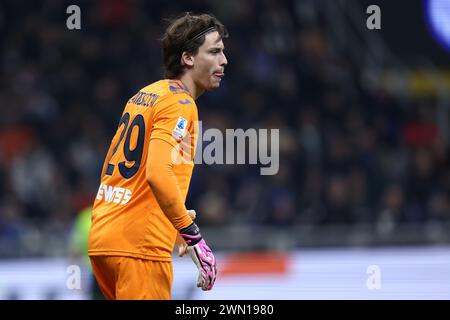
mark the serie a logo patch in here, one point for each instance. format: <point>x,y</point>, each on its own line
<point>180,128</point>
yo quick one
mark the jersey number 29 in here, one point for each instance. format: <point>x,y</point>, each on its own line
<point>134,155</point>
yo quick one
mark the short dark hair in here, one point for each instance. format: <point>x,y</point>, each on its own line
<point>186,34</point>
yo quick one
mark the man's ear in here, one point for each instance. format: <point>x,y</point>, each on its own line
<point>187,59</point>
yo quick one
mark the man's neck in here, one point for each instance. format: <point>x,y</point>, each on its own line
<point>189,83</point>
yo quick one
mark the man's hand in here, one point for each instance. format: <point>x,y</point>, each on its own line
<point>202,256</point>
<point>205,261</point>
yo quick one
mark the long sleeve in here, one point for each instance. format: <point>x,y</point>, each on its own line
<point>163,182</point>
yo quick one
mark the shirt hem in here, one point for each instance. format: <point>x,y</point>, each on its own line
<point>128,254</point>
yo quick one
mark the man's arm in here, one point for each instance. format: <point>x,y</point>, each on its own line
<point>162,180</point>
<point>170,122</point>
<point>164,184</point>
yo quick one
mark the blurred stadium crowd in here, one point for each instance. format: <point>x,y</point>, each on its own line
<point>348,155</point>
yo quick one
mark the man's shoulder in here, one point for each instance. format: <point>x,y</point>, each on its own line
<point>162,93</point>
<point>177,87</point>
<point>167,96</point>
<point>166,87</point>
<point>175,94</point>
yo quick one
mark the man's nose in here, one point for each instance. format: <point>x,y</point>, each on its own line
<point>224,61</point>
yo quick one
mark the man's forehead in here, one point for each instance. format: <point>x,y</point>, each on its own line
<point>213,39</point>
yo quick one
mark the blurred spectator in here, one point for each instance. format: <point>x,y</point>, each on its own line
<point>392,210</point>
<point>11,226</point>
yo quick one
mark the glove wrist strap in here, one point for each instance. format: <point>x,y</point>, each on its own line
<point>191,234</point>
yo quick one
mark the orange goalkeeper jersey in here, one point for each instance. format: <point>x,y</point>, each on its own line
<point>126,218</point>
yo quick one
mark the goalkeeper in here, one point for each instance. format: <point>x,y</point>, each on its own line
<point>139,209</point>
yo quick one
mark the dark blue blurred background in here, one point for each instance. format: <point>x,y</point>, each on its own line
<point>363,117</point>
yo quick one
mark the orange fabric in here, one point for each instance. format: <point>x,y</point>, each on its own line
<point>126,218</point>
<point>164,184</point>
<point>123,278</point>
<point>255,263</point>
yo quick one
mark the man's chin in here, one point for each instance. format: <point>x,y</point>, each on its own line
<point>214,86</point>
